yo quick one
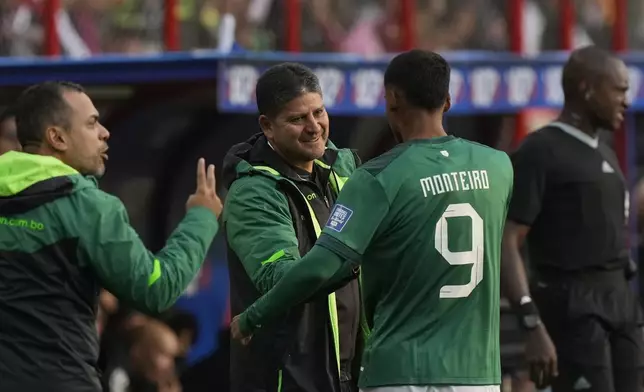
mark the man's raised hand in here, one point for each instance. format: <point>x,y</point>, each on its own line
<point>206,194</point>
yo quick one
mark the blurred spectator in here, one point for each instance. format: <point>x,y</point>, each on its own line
<point>184,325</point>
<point>107,306</point>
<point>20,35</point>
<point>154,350</point>
<point>116,342</point>
<point>142,356</point>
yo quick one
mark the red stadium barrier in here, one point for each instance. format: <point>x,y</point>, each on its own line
<point>171,26</point>
<point>52,43</point>
<point>515,25</point>
<point>293,25</point>
<point>408,24</point>
<point>567,24</point>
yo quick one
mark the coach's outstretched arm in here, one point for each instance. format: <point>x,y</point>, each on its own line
<point>125,267</point>
<point>334,258</point>
<point>320,270</point>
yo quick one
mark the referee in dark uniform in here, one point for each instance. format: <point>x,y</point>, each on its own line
<point>570,203</point>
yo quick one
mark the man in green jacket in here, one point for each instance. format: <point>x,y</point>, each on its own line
<point>62,239</point>
<point>282,185</point>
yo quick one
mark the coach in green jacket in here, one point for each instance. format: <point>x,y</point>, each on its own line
<point>62,239</point>
<point>282,185</point>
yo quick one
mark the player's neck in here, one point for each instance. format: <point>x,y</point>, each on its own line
<point>574,117</point>
<point>427,128</point>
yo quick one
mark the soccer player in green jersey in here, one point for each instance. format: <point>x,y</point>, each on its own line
<point>425,222</point>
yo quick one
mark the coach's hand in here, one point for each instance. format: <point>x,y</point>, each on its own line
<point>206,193</point>
<point>236,333</point>
<point>542,357</point>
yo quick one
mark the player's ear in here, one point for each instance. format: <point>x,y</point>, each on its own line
<point>393,96</point>
<point>448,104</point>
<point>266,125</point>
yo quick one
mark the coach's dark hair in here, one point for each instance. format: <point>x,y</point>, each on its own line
<point>281,84</point>
<point>42,106</point>
<point>422,76</point>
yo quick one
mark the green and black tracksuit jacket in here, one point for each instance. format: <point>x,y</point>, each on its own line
<point>61,240</point>
<point>272,216</point>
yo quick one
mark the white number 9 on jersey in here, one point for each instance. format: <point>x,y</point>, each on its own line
<point>473,256</point>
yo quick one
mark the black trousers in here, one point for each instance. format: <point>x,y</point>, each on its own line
<point>595,321</point>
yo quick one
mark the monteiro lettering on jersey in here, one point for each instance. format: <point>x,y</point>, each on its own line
<point>461,181</point>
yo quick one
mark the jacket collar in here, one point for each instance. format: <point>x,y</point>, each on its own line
<point>256,152</point>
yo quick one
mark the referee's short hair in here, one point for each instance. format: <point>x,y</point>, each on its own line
<point>588,64</point>
<point>281,84</point>
<point>42,106</point>
<point>422,77</point>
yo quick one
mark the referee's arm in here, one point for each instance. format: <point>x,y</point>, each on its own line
<point>513,276</point>
<point>530,166</point>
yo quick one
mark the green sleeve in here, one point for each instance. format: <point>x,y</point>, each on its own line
<point>318,271</point>
<point>259,229</point>
<point>125,267</point>
<point>356,216</point>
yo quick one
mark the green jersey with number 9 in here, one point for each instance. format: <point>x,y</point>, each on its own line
<point>426,219</point>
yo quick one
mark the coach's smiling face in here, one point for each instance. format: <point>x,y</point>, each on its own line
<point>299,132</point>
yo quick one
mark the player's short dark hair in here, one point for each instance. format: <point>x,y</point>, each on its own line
<point>422,76</point>
<point>42,106</point>
<point>589,63</point>
<point>281,84</point>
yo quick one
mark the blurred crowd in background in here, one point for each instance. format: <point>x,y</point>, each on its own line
<point>368,27</point>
